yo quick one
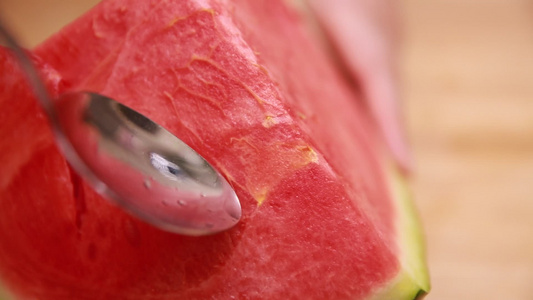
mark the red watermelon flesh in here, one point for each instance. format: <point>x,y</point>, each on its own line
<point>244,84</point>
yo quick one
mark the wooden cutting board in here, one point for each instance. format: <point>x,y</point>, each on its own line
<point>468,85</point>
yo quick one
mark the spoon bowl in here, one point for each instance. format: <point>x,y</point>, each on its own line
<point>143,167</point>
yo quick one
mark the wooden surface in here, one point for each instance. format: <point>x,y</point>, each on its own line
<point>468,87</point>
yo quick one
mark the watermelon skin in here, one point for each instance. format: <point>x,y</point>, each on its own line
<point>319,218</point>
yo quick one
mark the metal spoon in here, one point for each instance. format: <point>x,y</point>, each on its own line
<point>134,162</point>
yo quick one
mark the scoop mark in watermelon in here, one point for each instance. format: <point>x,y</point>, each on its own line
<point>322,216</point>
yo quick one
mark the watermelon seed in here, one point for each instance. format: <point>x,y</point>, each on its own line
<point>182,203</point>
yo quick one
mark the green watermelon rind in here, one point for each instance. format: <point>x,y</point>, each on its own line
<point>412,283</point>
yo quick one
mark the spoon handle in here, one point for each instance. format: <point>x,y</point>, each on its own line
<point>29,71</point>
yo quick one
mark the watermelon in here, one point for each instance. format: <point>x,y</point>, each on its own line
<point>326,213</point>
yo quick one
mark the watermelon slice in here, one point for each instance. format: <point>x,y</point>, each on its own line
<point>326,215</point>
